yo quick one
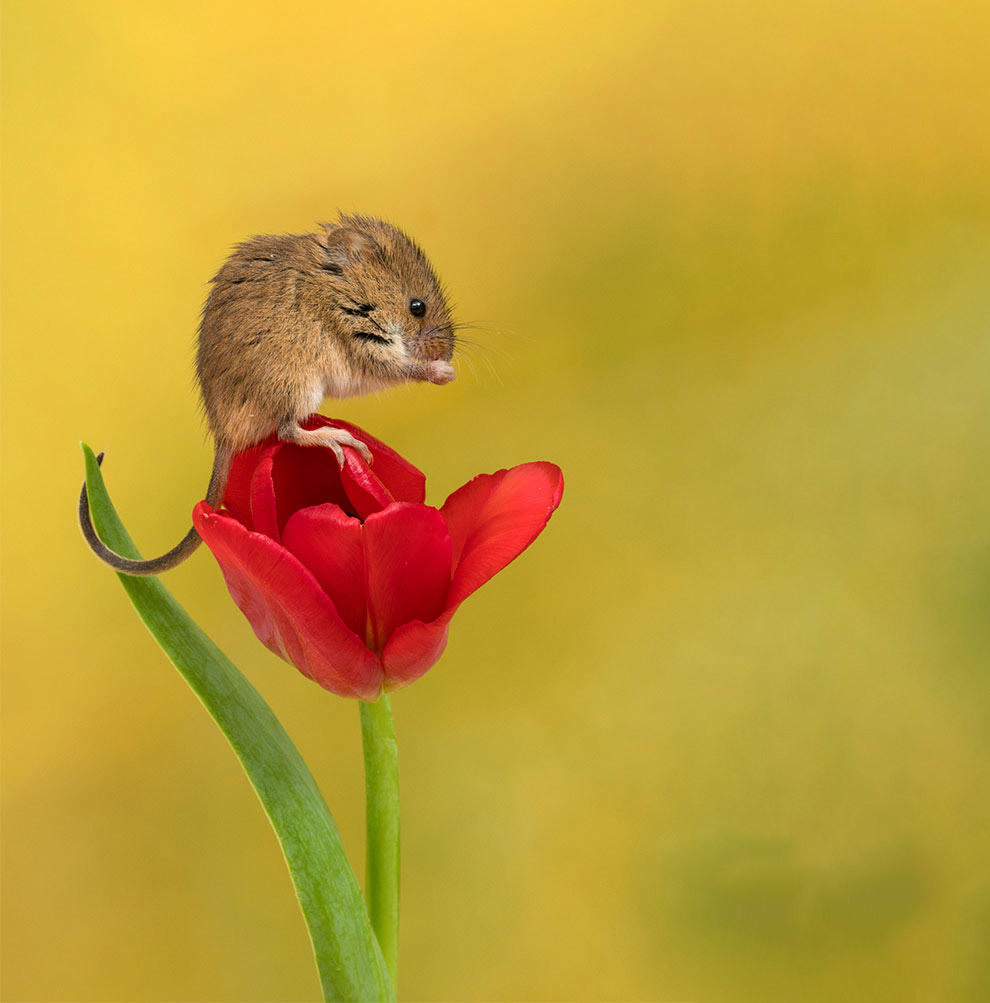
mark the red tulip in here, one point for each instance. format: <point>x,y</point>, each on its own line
<point>345,573</point>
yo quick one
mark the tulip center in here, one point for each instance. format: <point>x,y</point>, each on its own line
<point>304,478</point>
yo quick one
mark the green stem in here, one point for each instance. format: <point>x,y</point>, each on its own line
<point>381,786</point>
<point>350,963</point>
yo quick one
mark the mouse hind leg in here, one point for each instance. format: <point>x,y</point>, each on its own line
<point>328,438</point>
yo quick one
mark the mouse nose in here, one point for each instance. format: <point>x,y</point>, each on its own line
<point>434,344</point>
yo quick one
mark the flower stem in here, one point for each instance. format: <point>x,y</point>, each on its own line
<point>381,786</point>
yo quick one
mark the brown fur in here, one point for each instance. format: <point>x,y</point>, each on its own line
<point>288,323</point>
<point>275,337</point>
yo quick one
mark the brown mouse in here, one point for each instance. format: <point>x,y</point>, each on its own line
<point>293,319</point>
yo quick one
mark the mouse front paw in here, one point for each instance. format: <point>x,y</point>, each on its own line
<point>440,372</point>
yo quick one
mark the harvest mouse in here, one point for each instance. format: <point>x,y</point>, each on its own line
<point>292,319</point>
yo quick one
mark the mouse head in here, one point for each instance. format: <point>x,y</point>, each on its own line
<point>388,300</point>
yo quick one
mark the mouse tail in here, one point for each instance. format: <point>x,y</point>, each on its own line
<point>183,549</point>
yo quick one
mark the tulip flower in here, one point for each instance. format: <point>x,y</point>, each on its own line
<point>345,572</point>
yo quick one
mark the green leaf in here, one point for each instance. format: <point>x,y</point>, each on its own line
<point>348,957</point>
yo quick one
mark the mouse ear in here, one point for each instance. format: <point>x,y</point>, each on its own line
<point>346,245</point>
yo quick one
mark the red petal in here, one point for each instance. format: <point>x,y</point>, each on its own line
<point>280,478</point>
<point>397,475</point>
<point>237,496</point>
<point>290,613</point>
<point>302,476</point>
<point>365,491</point>
<point>407,554</point>
<point>494,518</point>
<point>414,648</point>
<point>330,544</point>
<point>264,510</point>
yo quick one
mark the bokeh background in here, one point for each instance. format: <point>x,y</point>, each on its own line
<point>723,733</point>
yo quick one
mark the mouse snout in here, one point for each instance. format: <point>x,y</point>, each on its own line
<point>434,344</point>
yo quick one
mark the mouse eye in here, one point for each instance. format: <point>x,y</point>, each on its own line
<point>417,308</point>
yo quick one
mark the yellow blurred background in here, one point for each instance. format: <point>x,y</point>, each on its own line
<point>724,732</point>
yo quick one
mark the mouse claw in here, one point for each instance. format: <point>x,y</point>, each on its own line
<point>366,454</point>
<point>337,451</point>
<point>340,438</point>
